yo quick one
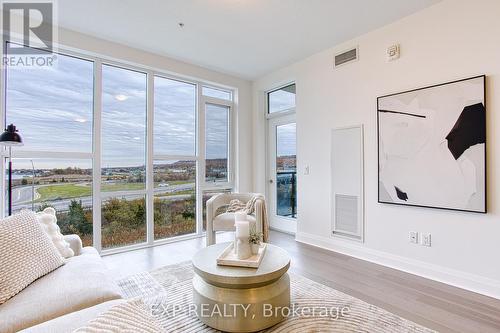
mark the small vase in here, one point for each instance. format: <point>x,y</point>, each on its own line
<point>255,248</point>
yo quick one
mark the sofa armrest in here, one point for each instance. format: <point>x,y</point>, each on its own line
<point>75,243</point>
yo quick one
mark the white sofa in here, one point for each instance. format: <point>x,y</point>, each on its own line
<point>64,299</point>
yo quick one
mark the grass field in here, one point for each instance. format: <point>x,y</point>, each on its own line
<point>68,191</point>
<point>63,191</point>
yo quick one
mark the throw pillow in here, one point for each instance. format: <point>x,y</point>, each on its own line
<point>221,210</point>
<point>48,220</point>
<point>26,253</point>
<point>131,316</point>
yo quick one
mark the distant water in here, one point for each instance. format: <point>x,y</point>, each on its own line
<point>16,176</point>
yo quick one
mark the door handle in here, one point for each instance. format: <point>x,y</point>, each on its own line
<point>270,181</point>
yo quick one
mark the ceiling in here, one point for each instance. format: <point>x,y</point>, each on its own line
<point>245,38</point>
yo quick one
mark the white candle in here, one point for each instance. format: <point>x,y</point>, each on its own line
<point>240,216</point>
<point>235,240</point>
<point>242,229</point>
<point>244,250</point>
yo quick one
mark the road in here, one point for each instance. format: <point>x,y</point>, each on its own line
<point>23,194</point>
<point>22,197</point>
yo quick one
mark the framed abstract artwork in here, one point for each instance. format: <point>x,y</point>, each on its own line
<point>432,146</point>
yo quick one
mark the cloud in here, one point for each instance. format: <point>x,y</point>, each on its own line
<point>286,140</point>
<point>53,109</point>
<point>216,120</point>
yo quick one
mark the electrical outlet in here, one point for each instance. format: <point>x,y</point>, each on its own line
<point>413,237</point>
<point>426,239</point>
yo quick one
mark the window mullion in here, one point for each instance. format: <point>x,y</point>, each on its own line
<point>232,163</point>
<point>3,112</point>
<point>149,160</point>
<point>200,153</point>
<point>96,169</point>
<point>217,101</point>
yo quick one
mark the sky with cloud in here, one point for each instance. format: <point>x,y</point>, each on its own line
<point>286,140</point>
<point>52,108</point>
<point>282,100</point>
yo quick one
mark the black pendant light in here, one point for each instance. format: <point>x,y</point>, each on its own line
<point>11,137</point>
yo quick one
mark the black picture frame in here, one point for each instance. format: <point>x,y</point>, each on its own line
<point>485,211</point>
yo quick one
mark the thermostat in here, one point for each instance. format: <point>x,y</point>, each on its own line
<point>393,52</point>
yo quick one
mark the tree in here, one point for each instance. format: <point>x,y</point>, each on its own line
<point>123,213</point>
<point>43,206</point>
<point>189,208</point>
<point>76,218</point>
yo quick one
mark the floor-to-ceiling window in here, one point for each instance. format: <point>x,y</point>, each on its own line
<point>53,109</point>
<point>216,142</point>
<point>217,159</point>
<point>175,158</point>
<point>143,148</point>
<point>123,157</point>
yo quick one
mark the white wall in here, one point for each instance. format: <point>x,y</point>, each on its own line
<point>451,40</point>
<point>78,41</point>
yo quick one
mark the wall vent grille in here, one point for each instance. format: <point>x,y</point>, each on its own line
<point>346,57</point>
<point>346,216</point>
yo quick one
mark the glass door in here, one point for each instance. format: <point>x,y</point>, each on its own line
<point>282,173</point>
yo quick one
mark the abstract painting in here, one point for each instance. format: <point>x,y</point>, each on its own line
<point>432,146</point>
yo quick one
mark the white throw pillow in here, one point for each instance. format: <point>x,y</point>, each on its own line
<point>26,253</point>
<point>48,220</point>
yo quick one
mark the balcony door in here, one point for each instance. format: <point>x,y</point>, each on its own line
<point>282,173</point>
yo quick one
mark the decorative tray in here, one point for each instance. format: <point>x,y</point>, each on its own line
<point>229,258</point>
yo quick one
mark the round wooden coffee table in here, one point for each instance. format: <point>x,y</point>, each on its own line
<point>237,299</point>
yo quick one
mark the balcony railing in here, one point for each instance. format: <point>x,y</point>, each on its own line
<point>286,193</point>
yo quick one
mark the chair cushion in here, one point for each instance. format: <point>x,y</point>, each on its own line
<point>26,253</point>
<point>83,282</point>
<point>225,222</point>
<point>74,320</point>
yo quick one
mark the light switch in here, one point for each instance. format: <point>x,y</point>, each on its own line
<point>413,237</point>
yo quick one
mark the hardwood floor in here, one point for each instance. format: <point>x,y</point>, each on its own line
<point>429,303</point>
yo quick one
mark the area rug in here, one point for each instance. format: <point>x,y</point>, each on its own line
<point>167,293</point>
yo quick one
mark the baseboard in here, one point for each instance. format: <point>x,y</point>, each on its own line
<point>463,280</point>
<point>282,231</point>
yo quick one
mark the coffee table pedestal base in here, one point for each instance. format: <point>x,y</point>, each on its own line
<point>242,309</point>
